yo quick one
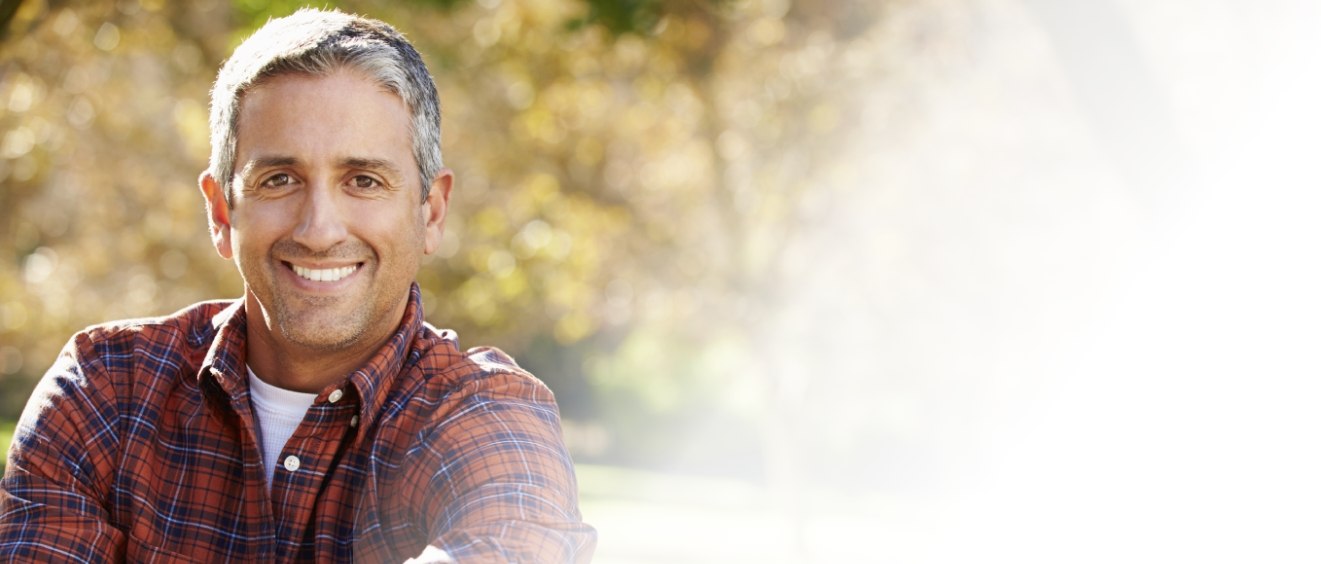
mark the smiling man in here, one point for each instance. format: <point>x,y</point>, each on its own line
<point>318,418</point>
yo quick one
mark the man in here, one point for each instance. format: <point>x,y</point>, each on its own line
<point>318,418</point>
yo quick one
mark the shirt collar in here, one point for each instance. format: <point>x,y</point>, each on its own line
<point>226,361</point>
<point>375,378</point>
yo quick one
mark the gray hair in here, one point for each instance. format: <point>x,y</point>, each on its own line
<point>316,42</point>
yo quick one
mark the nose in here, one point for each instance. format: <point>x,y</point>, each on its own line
<point>321,221</point>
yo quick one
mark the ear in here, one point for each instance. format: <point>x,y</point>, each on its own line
<point>217,214</point>
<point>434,208</point>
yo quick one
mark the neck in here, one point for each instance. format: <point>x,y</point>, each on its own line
<point>301,368</point>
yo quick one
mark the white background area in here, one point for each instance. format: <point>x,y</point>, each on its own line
<point>1076,271</point>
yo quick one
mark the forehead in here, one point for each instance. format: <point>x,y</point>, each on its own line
<point>342,114</point>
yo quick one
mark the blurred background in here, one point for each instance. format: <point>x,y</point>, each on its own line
<point>812,280</point>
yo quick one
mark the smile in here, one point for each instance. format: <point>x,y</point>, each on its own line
<point>324,274</point>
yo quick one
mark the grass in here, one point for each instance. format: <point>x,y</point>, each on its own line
<point>644,517</point>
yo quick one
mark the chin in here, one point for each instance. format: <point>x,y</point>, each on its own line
<point>321,331</point>
<point>321,340</point>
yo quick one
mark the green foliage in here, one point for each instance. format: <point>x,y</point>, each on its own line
<point>251,14</point>
<point>6,437</point>
<point>8,9</point>
<point>620,17</point>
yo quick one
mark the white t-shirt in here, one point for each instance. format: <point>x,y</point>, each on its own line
<point>278,411</point>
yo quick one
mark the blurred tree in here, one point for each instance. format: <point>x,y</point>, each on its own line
<point>8,9</point>
<point>677,158</point>
<point>104,125</point>
<point>629,175</point>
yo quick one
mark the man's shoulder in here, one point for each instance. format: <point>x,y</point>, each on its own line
<point>474,387</point>
<point>493,360</point>
<point>196,316</point>
<point>191,327</point>
<point>127,356</point>
<point>477,369</point>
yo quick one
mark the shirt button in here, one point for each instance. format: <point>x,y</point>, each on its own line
<point>335,395</point>
<point>353,422</point>
<point>291,463</point>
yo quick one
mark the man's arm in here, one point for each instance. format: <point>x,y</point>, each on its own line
<point>501,486</point>
<point>53,494</point>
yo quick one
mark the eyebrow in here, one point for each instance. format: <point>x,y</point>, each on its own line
<point>371,164</point>
<point>350,162</point>
<point>265,162</point>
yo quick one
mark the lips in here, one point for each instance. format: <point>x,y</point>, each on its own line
<point>324,274</point>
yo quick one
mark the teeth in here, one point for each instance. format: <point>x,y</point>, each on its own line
<point>325,274</point>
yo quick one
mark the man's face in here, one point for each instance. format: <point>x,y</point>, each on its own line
<point>327,222</point>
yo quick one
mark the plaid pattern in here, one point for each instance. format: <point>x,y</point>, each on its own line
<point>140,444</point>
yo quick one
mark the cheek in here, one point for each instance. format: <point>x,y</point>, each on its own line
<point>400,250</point>
<point>402,247</point>
<point>246,254</point>
<point>253,233</point>
<point>402,230</point>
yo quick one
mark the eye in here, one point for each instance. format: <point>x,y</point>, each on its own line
<point>364,182</point>
<point>277,181</point>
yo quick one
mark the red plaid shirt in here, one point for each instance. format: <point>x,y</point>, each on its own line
<point>140,444</point>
